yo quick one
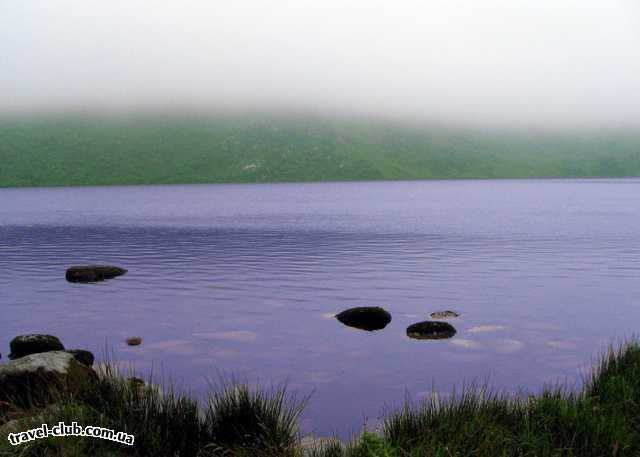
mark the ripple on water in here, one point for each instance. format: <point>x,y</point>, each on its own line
<point>567,345</point>
<point>241,336</point>
<point>507,346</point>
<point>183,347</point>
<point>485,328</point>
<point>467,344</point>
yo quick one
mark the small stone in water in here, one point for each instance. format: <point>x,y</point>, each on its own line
<point>134,341</point>
<point>444,314</point>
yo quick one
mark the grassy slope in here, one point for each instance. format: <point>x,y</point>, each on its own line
<point>164,149</point>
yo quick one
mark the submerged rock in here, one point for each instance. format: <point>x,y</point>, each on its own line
<point>82,356</point>
<point>448,314</point>
<point>36,378</point>
<point>365,317</point>
<point>93,273</point>
<point>23,345</point>
<point>431,330</point>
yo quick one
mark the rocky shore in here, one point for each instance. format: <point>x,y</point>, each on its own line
<point>40,367</point>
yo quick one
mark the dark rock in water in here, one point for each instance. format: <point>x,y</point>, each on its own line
<point>431,330</point>
<point>93,273</point>
<point>23,345</point>
<point>448,314</point>
<point>35,378</point>
<point>365,318</point>
<point>133,341</point>
<point>82,356</point>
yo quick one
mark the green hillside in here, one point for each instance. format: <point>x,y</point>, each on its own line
<point>96,149</point>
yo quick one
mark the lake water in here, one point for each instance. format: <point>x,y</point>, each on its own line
<point>242,280</point>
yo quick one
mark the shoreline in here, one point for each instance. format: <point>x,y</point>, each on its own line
<point>354,181</point>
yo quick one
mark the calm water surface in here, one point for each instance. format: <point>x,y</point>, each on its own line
<point>243,280</point>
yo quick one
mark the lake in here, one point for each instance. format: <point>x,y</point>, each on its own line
<point>243,281</point>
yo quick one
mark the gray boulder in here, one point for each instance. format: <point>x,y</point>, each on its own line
<point>36,378</point>
<point>93,273</point>
<point>431,330</point>
<point>23,345</point>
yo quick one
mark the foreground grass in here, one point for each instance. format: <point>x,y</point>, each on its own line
<point>237,420</point>
<point>601,420</point>
<point>68,150</point>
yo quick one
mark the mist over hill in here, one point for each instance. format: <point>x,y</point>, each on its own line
<point>111,149</point>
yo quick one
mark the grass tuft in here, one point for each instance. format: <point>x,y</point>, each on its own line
<point>253,420</point>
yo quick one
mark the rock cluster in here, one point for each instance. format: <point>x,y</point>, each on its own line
<point>24,345</point>
<point>39,367</point>
<point>375,318</point>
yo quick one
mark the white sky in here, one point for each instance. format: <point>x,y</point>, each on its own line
<point>549,62</point>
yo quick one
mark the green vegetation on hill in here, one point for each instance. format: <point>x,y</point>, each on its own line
<point>59,150</point>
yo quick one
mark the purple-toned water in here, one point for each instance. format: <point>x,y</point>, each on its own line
<point>242,279</point>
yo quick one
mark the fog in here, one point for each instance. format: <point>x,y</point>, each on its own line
<point>505,62</point>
